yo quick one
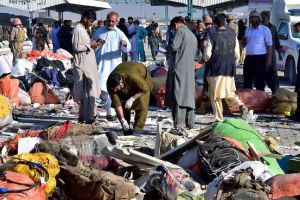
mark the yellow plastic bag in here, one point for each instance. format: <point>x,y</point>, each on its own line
<point>48,161</point>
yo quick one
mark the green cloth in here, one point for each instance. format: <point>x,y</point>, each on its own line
<point>241,131</point>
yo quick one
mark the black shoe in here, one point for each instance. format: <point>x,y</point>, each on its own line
<point>294,118</point>
<point>129,132</point>
<point>111,118</point>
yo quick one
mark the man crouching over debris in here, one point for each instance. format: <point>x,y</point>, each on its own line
<point>222,55</point>
<point>129,86</point>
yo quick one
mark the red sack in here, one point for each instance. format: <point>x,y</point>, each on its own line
<point>5,85</point>
<point>39,94</point>
<point>255,100</point>
<point>36,193</point>
<point>36,93</point>
<point>287,185</point>
<point>14,91</point>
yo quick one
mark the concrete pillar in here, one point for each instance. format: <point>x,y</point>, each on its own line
<point>190,8</point>
<point>166,14</point>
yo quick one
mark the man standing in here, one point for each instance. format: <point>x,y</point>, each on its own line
<point>129,87</point>
<point>17,38</point>
<point>221,55</point>
<point>41,36</point>
<point>132,38</point>
<point>141,34</point>
<point>271,74</point>
<point>180,85</point>
<point>258,40</point>
<point>109,55</point>
<point>122,26</point>
<point>86,86</point>
<point>54,38</point>
<point>64,35</point>
<point>231,24</point>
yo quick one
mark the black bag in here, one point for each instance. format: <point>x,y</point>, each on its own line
<point>217,155</point>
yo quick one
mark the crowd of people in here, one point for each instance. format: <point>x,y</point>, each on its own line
<point>108,62</point>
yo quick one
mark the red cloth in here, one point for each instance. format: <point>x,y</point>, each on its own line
<point>62,131</point>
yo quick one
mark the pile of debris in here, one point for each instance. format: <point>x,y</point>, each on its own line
<point>225,160</point>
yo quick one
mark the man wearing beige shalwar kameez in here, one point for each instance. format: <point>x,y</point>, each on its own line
<point>86,84</point>
<point>222,55</point>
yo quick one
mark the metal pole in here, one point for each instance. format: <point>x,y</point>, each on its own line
<point>166,14</point>
<point>190,8</point>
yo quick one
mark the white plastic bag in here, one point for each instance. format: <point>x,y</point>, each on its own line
<point>6,63</point>
<point>24,98</point>
<point>21,68</point>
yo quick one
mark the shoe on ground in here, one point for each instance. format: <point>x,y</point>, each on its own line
<point>129,132</point>
<point>244,112</point>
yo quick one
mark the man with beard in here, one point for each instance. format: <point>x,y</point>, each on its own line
<point>86,86</point>
<point>258,42</point>
<point>109,55</point>
<point>180,85</point>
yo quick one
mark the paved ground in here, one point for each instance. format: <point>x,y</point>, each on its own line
<point>286,132</point>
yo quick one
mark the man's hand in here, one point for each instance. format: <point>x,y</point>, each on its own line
<point>269,64</point>
<point>129,103</point>
<point>124,43</point>
<point>95,44</point>
<point>124,124</point>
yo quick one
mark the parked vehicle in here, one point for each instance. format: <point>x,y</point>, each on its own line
<point>284,14</point>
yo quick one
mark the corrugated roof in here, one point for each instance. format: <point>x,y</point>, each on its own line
<point>34,5</point>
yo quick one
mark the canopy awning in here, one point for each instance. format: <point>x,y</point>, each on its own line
<point>76,6</point>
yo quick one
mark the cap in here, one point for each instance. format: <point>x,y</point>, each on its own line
<point>255,14</point>
<point>100,22</point>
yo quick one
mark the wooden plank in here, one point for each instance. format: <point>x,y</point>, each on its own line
<point>188,144</point>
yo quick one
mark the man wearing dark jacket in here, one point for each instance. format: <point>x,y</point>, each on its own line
<point>64,35</point>
<point>271,74</point>
<point>221,55</point>
<point>122,26</point>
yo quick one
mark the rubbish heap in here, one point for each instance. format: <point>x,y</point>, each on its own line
<point>45,154</point>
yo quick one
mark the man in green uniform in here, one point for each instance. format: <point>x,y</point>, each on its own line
<point>129,86</point>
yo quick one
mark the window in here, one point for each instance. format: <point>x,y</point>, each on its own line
<point>283,31</point>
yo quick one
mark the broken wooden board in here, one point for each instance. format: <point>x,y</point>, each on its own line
<point>188,144</point>
<point>134,157</point>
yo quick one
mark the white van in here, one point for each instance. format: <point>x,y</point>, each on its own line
<point>284,14</point>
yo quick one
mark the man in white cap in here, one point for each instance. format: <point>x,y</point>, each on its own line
<point>258,42</point>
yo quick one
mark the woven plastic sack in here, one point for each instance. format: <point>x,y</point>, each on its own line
<point>287,185</point>
<point>47,160</point>
<point>256,100</point>
<point>36,193</point>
